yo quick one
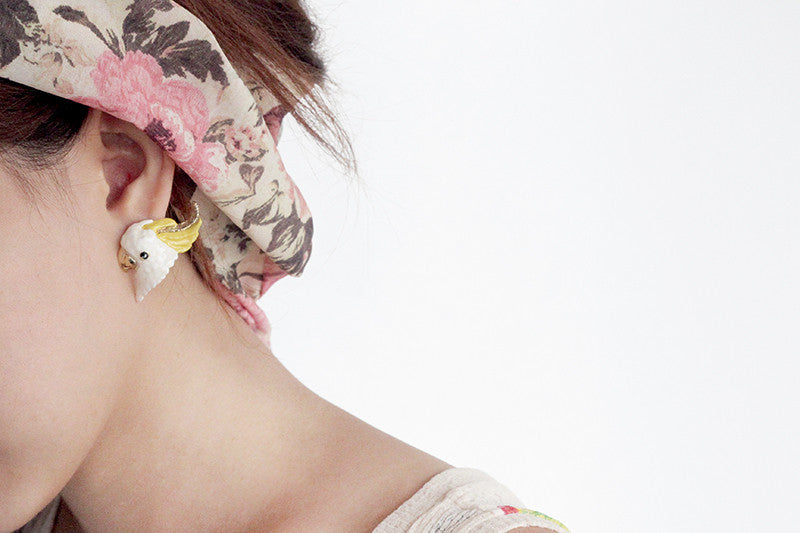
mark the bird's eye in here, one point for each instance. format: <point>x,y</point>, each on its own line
<point>144,255</point>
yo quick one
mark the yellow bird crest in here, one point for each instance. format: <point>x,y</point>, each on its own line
<point>179,237</point>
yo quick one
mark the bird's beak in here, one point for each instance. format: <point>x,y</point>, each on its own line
<point>126,261</point>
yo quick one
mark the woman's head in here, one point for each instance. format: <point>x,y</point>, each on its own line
<point>72,179</point>
<point>271,44</point>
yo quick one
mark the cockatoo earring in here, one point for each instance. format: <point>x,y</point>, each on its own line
<point>152,247</point>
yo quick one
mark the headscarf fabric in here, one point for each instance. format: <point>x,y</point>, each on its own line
<point>156,65</point>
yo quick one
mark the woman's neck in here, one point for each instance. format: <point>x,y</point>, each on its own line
<point>213,433</point>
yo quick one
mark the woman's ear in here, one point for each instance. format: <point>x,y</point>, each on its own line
<point>138,172</point>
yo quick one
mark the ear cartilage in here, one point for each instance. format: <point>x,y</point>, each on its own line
<point>151,247</point>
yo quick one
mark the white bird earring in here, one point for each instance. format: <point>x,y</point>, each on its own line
<point>152,247</point>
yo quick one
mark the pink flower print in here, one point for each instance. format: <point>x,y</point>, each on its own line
<point>242,144</point>
<point>190,104</point>
<point>172,112</point>
<point>274,121</point>
<point>207,165</point>
<point>299,202</point>
<point>170,129</point>
<point>126,87</point>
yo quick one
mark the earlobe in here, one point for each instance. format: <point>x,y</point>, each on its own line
<point>138,172</point>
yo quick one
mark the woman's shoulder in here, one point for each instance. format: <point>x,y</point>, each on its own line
<point>452,501</point>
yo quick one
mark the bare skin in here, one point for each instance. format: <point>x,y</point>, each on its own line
<point>169,414</point>
<point>66,523</point>
<point>215,436</point>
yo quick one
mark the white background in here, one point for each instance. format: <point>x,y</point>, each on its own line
<point>573,259</point>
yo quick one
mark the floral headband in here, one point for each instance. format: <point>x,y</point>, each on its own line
<point>154,64</point>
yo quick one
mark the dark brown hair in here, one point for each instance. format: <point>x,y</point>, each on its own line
<point>274,42</point>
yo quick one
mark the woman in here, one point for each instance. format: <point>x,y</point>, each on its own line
<point>135,399</point>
